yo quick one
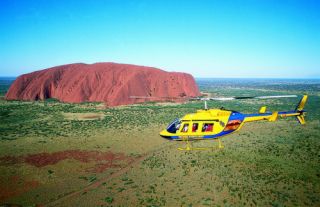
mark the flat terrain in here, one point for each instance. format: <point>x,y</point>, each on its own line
<point>59,154</point>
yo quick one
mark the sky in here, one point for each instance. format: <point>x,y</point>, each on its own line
<point>214,38</point>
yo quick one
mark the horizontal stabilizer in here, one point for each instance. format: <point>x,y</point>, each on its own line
<point>274,116</point>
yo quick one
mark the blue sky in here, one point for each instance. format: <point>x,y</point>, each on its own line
<point>253,38</point>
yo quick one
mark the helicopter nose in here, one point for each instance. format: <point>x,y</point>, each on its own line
<point>165,134</point>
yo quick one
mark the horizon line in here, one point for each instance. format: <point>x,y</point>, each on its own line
<point>284,78</point>
<point>298,78</point>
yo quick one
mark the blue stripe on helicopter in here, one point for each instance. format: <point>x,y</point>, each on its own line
<point>207,136</point>
<point>270,113</point>
<point>263,114</point>
<point>236,116</point>
<point>289,112</point>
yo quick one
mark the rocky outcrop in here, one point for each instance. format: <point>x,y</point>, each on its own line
<point>110,83</point>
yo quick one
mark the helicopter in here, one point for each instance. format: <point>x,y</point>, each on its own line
<point>215,123</point>
<point>207,123</point>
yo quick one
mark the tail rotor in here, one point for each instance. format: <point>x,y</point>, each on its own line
<point>299,109</point>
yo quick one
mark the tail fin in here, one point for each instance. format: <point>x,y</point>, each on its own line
<point>299,109</point>
<point>302,102</point>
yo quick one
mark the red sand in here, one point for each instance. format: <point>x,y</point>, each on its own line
<point>110,83</point>
<point>103,160</point>
<point>16,187</point>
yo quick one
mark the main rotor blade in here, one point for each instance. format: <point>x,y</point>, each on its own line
<point>246,97</point>
<point>156,97</point>
<point>215,98</point>
<point>280,96</point>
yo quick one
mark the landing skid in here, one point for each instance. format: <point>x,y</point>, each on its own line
<point>189,146</point>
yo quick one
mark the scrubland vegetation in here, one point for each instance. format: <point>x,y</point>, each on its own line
<point>116,157</point>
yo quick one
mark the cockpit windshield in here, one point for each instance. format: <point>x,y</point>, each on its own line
<point>174,126</point>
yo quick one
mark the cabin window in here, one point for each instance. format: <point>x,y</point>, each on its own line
<point>195,127</point>
<point>174,126</point>
<point>207,127</point>
<point>185,128</point>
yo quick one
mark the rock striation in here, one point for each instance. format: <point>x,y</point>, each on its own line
<point>111,83</point>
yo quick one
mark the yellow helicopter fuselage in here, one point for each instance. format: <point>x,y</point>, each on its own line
<point>214,123</point>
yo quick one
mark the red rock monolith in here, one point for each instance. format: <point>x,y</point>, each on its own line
<point>110,83</point>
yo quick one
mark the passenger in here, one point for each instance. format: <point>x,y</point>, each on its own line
<point>209,128</point>
<point>194,127</point>
<point>204,128</point>
<point>185,128</point>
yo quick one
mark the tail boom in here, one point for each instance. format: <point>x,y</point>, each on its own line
<point>299,113</point>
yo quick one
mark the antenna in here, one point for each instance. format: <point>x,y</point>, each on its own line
<point>205,105</point>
